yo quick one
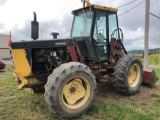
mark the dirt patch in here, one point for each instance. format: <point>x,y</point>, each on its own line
<point>107,94</point>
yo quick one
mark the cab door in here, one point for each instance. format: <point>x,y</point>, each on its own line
<point>100,35</point>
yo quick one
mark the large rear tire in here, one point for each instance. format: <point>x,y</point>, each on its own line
<point>127,76</point>
<point>70,90</point>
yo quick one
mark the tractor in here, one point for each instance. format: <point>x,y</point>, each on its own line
<point>69,69</point>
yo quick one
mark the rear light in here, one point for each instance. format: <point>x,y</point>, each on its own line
<point>9,41</point>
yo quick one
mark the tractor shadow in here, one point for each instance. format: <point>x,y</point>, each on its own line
<point>106,93</point>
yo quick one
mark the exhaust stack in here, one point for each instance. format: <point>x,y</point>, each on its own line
<point>34,27</point>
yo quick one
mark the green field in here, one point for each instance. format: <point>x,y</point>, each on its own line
<point>154,59</point>
<point>26,105</point>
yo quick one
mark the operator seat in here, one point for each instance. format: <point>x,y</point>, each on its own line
<point>100,38</point>
<point>101,46</point>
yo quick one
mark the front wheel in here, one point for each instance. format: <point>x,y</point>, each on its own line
<point>70,90</point>
<point>127,76</point>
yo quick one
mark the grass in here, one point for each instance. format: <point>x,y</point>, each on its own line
<point>153,59</point>
<point>25,105</point>
<point>115,111</point>
<point>22,105</point>
<point>157,71</point>
<point>153,95</point>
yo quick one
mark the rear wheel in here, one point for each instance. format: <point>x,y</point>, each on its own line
<point>127,76</point>
<point>70,90</point>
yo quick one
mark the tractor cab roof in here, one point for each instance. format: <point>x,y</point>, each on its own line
<point>93,6</point>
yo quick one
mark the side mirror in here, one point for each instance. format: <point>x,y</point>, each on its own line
<point>34,27</point>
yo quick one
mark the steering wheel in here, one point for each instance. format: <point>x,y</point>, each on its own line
<point>100,32</point>
<point>118,29</point>
<point>100,35</point>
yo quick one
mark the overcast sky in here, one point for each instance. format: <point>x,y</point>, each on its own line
<point>55,15</point>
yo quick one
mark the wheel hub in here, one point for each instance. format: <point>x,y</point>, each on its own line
<point>76,92</point>
<point>72,90</point>
<point>134,75</point>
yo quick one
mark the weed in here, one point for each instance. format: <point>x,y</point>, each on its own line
<point>154,95</point>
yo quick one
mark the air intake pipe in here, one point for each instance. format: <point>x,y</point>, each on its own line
<point>55,34</point>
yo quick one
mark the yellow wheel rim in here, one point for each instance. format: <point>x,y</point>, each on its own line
<point>76,92</point>
<point>134,75</point>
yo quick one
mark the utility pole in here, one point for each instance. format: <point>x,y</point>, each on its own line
<point>146,36</point>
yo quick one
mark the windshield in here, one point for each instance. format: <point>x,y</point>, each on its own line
<point>82,24</point>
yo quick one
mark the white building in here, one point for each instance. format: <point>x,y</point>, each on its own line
<point>4,49</point>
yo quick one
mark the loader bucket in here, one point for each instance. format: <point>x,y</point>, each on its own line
<point>149,77</point>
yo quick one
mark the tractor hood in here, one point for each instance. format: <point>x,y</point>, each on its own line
<point>43,43</point>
